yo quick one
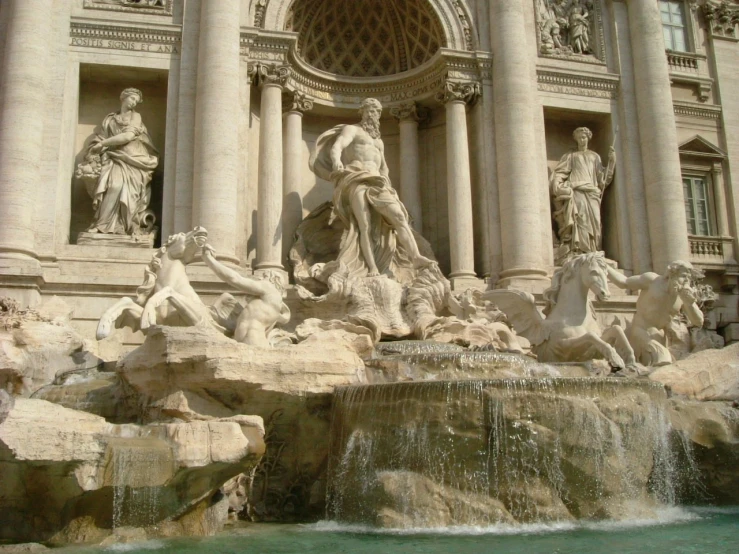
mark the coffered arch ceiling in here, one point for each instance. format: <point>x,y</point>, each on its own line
<point>365,38</point>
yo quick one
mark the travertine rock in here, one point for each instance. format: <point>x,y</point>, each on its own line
<point>189,372</point>
<point>705,375</point>
<point>94,475</point>
<point>709,431</point>
<point>36,345</point>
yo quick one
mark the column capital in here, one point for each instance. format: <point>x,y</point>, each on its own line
<point>722,17</point>
<point>295,101</point>
<point>263,74</point>
<point>409,111</point>
<point>465,91</point>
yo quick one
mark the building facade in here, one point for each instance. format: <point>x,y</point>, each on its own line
<point>480,98</point>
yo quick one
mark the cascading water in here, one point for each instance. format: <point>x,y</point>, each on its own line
<point>484,451</point>
<point>136,470</point>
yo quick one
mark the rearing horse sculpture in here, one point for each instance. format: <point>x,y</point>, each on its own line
<point>166,296</point>
<point>570,332</point>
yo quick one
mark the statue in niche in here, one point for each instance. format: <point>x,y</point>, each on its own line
<point>264,307</point>
<point>118,167</point>
<point>576,187</point>
<point>661,299</point>
<point>378,237</point>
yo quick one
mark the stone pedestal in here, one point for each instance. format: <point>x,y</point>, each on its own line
<point>106,239</point>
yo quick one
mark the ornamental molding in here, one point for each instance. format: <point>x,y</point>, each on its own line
<point>153,7</point>
<point>554,38</point>
<point>265,74</point>
<point>456,91</point>
<point>722,17</point>
<point>115,37</point>
<point>294,101</point>
<point>280,47</point>
<point>591,85</point>
<point>410,111</point>
<point>696,110</point>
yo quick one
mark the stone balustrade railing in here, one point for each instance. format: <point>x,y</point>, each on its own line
<point>706,246</point>
<point>682,61</point>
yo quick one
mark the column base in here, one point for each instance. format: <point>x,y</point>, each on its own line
<point>528,280</point>
<point>261,270</point>
<point>21,278</point>
<point>464,282</point>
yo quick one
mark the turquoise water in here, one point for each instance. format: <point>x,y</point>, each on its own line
<point>677,531</point>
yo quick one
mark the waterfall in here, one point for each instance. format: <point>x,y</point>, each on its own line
<point>485,451</point>
<point>137,469</point>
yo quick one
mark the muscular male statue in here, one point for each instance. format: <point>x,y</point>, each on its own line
<point>264,306</point>
<point>661,298</point>
<point>378,236</point>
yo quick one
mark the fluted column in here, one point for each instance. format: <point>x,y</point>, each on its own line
<point>455,97</point>
<point>270,79</point>
<point>515,142</point>
<point>295,105</point>
<point>28,33</point>
<point>408,116</point>
<point>668,230</point>
<point>216,154</point>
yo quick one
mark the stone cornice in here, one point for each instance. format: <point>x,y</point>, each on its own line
<point>92,34</point>
<point>694,109</point>
<point>579,84</point>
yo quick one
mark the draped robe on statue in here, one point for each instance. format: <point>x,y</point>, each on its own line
<point>391,257</point>
<point>577,186</point>
<point>123,192</point>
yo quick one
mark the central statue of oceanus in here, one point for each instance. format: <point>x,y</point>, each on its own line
<point>570,332</point>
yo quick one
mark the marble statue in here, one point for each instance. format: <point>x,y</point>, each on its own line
<point>661,299</point>
<point>576,186</point>
<point>167,298</point>
<point>264,307</point>
<point>579,28</point>
<point>378,238</point>
<point>118,167</point>
<point>569,332</point>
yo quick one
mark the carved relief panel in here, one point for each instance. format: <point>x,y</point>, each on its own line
<point>570,29</point>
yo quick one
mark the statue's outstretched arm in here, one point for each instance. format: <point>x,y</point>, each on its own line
<point>252,287</point>
<point>635,282</point>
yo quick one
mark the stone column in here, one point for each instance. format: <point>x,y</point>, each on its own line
<point>270,79</point>
<point>408,116</point>
<point>455,96</point>
<point>216,152</point>
<point>28,39</point>
<point>295,105</point>
<point>515,141</point>
<point>668,229</point>
<point>719,196</point>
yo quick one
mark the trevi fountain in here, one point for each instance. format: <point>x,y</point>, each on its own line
<point>348,276</point>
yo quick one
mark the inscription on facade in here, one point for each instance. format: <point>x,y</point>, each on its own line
<point>133,46</point>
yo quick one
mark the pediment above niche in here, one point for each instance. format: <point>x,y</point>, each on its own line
<point>698,146</point>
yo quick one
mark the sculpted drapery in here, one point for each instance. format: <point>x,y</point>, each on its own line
<point>127,159</point>
<point>577,186</point>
